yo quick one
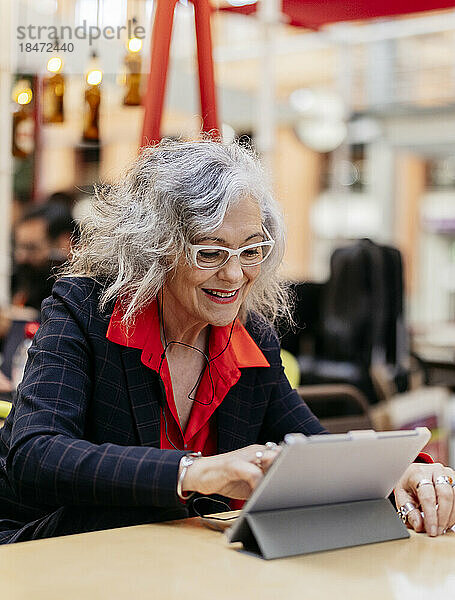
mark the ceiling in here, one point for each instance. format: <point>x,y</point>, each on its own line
<point>314,13</point>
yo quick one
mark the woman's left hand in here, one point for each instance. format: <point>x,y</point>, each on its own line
<point>429,488</point>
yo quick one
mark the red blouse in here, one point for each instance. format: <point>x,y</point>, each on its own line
<point>200,434</point>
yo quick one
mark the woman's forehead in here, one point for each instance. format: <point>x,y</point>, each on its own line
<point>241,222</point>
<point>245,210</point>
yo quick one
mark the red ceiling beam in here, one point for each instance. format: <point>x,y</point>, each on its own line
<point>315,13</point>
<point>159,63</point>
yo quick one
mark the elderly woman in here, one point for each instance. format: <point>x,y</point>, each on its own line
<point>157,345</point>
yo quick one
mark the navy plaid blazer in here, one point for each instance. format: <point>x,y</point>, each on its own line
<point>80,448</point>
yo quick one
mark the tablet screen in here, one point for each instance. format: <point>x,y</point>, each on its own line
<point>329,469</point>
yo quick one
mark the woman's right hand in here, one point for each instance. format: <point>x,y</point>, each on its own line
<point>233,474</point>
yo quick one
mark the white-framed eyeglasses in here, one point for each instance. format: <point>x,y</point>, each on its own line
<point>214,257</point>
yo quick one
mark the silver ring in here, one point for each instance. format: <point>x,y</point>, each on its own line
<point>271,445</point>
<point>404,511</point>
<point>443,479</point>
<point>258,462</point>
<point>424,482</point>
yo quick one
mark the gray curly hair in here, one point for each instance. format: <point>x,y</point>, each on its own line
<point>172,194</point>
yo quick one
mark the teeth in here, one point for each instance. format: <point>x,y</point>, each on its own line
<point>222,295</point>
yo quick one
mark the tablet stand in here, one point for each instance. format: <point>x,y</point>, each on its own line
<point>291,531</point>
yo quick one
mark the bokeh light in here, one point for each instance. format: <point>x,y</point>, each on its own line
<point>94,77</point>
<point>134,44</point>
<point>54,64</point>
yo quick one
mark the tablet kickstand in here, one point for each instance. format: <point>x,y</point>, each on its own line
<point>287,532</point>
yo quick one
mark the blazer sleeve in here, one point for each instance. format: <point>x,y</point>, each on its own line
<point>49,461</point>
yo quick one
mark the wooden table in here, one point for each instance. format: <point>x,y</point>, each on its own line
<point>185,560</point>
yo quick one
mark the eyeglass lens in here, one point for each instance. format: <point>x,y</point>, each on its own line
<point>248,258</point>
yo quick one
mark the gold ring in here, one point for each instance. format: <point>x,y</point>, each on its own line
<point>443,479</point>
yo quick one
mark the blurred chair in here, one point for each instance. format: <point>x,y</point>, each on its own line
<point>291,368</point>
<point>340,408</point>
<point>5,408</point>
<point>354,322</point>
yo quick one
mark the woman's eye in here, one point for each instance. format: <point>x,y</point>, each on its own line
<point>252,252</point>
<point>209,254</point>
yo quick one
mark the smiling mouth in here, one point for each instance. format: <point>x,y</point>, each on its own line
<point>221,296</point>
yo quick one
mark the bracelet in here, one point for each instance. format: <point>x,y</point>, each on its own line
<point>185,463</point>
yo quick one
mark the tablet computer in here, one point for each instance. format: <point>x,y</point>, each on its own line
<point>332,469</point>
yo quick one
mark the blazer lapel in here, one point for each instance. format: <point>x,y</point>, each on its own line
<point>233,415</point>
<point>143,391</point>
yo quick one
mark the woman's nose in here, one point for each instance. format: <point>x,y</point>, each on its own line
<point>232,271</point>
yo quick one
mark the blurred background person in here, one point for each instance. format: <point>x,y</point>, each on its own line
<point>42,242</point>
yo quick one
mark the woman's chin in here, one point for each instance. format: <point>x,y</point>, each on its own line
<point>222,320</point>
